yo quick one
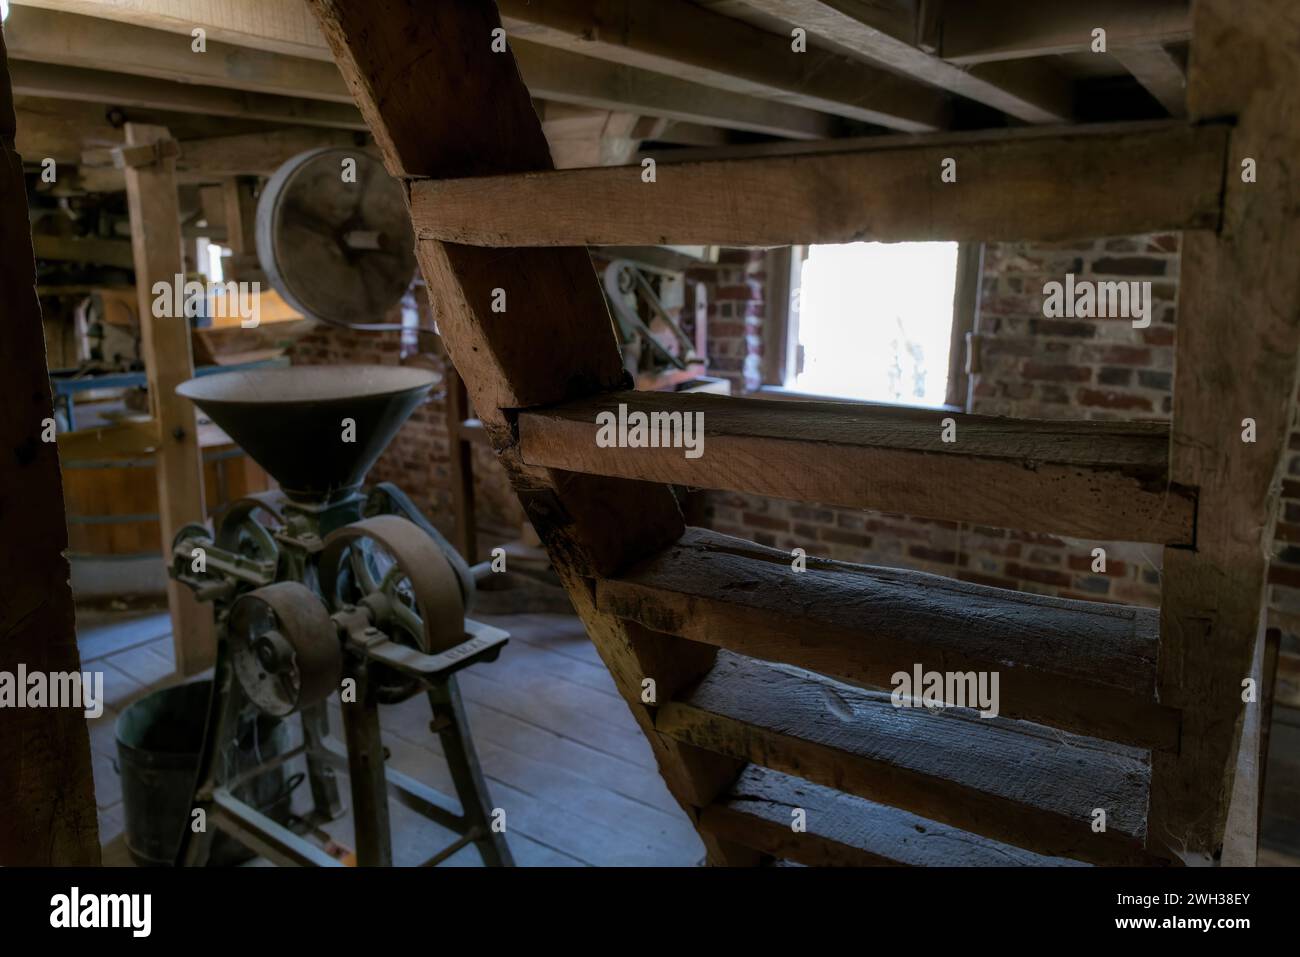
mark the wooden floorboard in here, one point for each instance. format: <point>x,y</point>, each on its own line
<point>561,752</point>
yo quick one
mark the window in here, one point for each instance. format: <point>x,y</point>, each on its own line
<point>877,322</point>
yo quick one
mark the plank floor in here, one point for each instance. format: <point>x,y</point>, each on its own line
<point>560,749</point>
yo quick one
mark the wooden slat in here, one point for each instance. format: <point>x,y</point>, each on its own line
<point>680,39</point>
<point>979,31</point>
<point>844,830</point>
<point>1082,666</point>
<point>1094,480</point>
<point>1013,782</point>
<point>1034,93</point>
<point>1123,180</point>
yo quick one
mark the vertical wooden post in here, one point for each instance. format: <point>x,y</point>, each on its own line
<point>420,74</point>
<point>460,459</point>
<point>1238,341</point>
<point>240,210</point>
<point>47,797</point>
<point>156,248</point>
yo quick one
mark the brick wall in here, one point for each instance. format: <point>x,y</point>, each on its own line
<point>1029,366</point>
<point>736,313</point>
<point>1033,367</point>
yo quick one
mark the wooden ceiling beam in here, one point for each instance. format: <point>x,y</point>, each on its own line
<point>1124,179</point>
<point>120,89</point>
<point>980,31</point>
<point>1034,92</point>
<point>270,47</point>
<point>66,39</point>
<point>690,42</point>
<point>1160,72</point>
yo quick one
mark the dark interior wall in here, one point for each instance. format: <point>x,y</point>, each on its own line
<point>47,799</point>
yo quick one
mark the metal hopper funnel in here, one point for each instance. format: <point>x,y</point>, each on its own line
<point>291,421</point>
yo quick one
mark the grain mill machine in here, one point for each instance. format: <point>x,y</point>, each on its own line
<point>321,589</point>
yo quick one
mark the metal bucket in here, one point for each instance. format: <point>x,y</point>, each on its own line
<point>158,742</point>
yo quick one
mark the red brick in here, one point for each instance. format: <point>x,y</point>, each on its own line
<point>1113,400</point>
<point>1056,372</point>
<point>1083,563</point>
<point>1045,576</point>
<point>755,520</point>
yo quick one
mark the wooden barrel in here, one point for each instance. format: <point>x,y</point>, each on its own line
<point>112,503</point>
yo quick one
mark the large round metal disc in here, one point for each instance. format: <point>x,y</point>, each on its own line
<point>336,247</point>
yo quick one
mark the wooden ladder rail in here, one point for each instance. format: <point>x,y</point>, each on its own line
<point>1232,361</point>
<point>407,66</point>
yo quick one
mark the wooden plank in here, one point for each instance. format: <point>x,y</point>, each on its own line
<point>1160,73</point>
<point>1095,480</point>
<point>1083,666</point>
<point>979,31</point>
<point>428,122</point>
<point>165,344</point>
<point>1237,345</point>
<point>120,89</point>
<point>120,438</point>
<point>49,36</point>
<point>282,26</point>
<point>1034,93</point>
<point>47,803</point>
<point>274,40</point>
<point>568,77</point>
<point>1028,786</point>
<point>680,39</point>
<point>1122,180</point>
<point>848,831</point>
<point>101,252</point>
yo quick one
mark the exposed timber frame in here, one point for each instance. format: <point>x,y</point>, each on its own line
<point>724,691</point>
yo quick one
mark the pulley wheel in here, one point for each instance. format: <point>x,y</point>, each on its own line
<point>335,245</point>
<point>393,568</point>
<point>287,653</point>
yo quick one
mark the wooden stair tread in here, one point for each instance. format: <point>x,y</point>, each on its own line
<point>846,830</point>
<point>1012,781</point>
<point>1100,480</point>
<point>1083,666</point>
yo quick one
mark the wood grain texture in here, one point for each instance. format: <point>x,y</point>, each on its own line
<point>165,347</point>
<point>1237,347</point>
<point>1015,782</point>
<point>680,39</point>
<point>979,31</point>
<point>1036,95</point>
<point>286,27</point>
<point>848,831</point>
<point>1008,187</point>
<point>1098,480</point>
<point>47,799</point>
<point>421,75</point>
<point>1082,666</point>
<point>121,89</point>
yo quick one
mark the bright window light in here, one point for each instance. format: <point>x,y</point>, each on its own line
<point>214,263</point>
<point>4,10</point>
<point>875,321</point>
